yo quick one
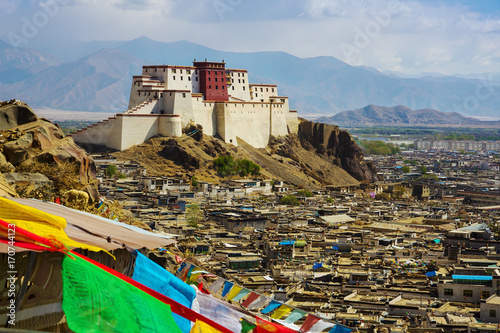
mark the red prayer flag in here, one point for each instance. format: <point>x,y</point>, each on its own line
<point>308,323</point>
<point>264,326</point>
<point>252,297</point>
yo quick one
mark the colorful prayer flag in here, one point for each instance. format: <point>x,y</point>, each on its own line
<point>227,287</point>
<point>281,311</point>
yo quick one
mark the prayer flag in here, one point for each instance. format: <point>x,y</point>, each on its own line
<point>281,311</point>
<point>234,291</point>
<point>227,287</point>
<point>340,329</point>
<point>308,323</point>
<point>220,312</point>
<point>95,300</point>
<point>320,326</point>
<point>250,299</point>
<point>246,326</point>
<point>273,305</point>
<point>264,326</point>
<point>214,287</point>
<point>201,327</point>
<point>294,316</point>
<point>243,292</point>
<point>259,303</point>
<point>159,279</point>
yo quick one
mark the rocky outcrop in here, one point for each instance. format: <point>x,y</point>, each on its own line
<point>35,145</point>
<point>337,145</point>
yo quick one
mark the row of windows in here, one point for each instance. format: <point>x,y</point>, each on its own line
<point>239,80</point>
<point>182,78</point>
<point>467,293</point>
<point>242,87</point>
<point>216,87</point>
<point>188,71</point>
<point>242,74</point>
<point>262,89</point>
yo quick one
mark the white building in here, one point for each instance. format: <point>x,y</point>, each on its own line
<point>165,99</point>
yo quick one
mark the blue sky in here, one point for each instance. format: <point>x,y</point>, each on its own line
<point>459,36</point>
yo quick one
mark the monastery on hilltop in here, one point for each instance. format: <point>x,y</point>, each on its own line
<point>165,99</point>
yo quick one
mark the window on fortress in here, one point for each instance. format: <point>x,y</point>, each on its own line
<point>184,95</point>
<point>282,100</point>
<point>467,293</point>
<point>232,80</point>
<point>272,89</point>
<point>196,78</point>
<point>217,87</point>
<point>243,80</point>
<point>222,87</point>
<point>209,86</point>
<point>232,87</point>
<point>256,95</point>
<point>181,71</point>
<point>173,71</point>
<point>238,74</point>
<point>182,78</point>
<point>243,87</point>
<point>208,72</point>
<point>239,81</point>
<point>189,78</point>
<point>215,79</point>
<point>261,90</point>
<point>209,79</point>
<point>173,77</point>
<point>493,313</point>
<point>188,71</point>
<point>267,89</point>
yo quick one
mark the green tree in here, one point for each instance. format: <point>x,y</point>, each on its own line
<point>289,199</point>
<point>329,200</point>
<point>423,170</point>
<point>398,192</point>
<point>193,215</point>
<point>304,193</point>
<point>405,169</point>
<point>194,181</point>
<point>225,166</point>
<point>110,170</point>
<point>245,167</point>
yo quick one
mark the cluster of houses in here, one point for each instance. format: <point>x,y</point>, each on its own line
<point>421,258</point>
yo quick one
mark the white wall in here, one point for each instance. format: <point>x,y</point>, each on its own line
<point>262,92</point>
<point>239,87</point>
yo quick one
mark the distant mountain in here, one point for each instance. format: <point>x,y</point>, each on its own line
<point>17,64</point>
<point>99,82</point>
<point>316,86</point>
<point>401,116</point>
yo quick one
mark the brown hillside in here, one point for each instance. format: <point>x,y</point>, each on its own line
<point>284,159</point>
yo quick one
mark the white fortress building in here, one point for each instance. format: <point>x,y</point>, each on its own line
<point>165,99</point>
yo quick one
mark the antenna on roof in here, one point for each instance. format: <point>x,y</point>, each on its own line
<point>205,59</point>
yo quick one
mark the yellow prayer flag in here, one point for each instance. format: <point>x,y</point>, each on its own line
<point>40,223</point>
<point>202,327</point>
<point>234,291</point>
<point>281,311</point>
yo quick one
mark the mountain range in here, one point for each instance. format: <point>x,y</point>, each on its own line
<point>96,76</point>
<point>402,116</point>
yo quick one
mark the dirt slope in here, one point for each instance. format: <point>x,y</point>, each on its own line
<point>187,157</point>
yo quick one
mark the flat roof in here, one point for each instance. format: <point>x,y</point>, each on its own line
<point>472,277</point>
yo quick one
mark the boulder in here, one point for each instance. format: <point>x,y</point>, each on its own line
<point>13,115</point>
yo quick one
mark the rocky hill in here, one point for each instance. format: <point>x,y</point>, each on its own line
<point>300,159</point>
<point>37,160</point>
<point>402,116</point>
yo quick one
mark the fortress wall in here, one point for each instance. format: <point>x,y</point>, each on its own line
<point>114,139</point>
<point>96,135</point>
<point>278,120</point>
<point>292,121</point>
<point>248,121</point>
<point>169,125</point>
<point>135,97</point>
<point>135,129</point>
<point>149,108</point>
<point>204,114</point>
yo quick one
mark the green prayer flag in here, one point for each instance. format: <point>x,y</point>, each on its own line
<point>97,301</point>
<point>246,326</point>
